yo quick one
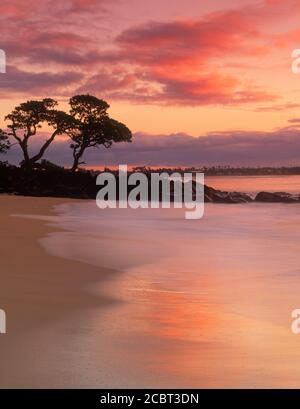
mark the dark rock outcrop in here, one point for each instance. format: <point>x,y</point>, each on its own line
<point>218,196</point>
<point>277,197</point>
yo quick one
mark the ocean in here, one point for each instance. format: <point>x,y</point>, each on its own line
<point>195,303</point>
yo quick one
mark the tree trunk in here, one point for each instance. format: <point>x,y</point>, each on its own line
<point>28,162</point>
<point>40,154</point>
<point>77,156</point>
<point>75,163</point>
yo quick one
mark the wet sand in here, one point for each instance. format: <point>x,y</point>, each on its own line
<point>147,299</point>
<point>43,296</point>
<point>203,303</point>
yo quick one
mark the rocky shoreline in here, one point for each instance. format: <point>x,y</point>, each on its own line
<point>218,196</point>
<point>59,182</point>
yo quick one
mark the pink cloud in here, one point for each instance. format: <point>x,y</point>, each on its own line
<point>18,82</point>
<point>181,62</point>
<point>184,62</point>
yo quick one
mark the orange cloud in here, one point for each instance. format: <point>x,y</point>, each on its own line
<point>200,61</point>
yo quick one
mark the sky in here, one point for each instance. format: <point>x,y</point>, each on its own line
<point>198,82</point>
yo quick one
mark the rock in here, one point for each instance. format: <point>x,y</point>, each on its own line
<point>218,196</point>
<point>277,197</point>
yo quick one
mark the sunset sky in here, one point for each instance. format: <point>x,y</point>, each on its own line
<point>198,82</point>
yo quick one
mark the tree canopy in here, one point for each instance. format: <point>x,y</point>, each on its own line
<point>28,117</point>
<point>87,124</point>
<point>4,142</point>
<point>93,126</point>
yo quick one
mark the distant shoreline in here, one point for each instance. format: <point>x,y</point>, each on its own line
<point>227,170</point>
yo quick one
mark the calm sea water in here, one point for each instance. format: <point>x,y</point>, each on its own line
<point>255,184</point>
<point>194,302</point>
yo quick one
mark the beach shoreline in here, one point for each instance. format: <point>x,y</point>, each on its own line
<point>105,299</point>
<point>36,298</point>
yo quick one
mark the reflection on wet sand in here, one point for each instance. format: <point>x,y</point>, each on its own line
<point>197,304</point>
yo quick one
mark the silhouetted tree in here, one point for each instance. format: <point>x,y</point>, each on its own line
<point>4,142</point>
<point>94,127</point>
<point>28,117</point>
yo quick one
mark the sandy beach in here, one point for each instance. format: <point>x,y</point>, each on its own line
<point>99,299</point>
<point>37,292</point>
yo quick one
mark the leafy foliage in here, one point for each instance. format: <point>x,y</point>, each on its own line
<point>87,124</point>
<point>28,117</point>
<point>4,142</point>
<point>93,126</point>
